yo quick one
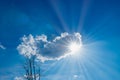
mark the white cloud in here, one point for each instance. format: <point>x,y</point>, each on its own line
<point>42,37</point>
<point>75,76</point>
<point>28,46</point>
<point>2,47</point>
<point>59,37</point>
<point>18,78</point>
<point>55,49</point>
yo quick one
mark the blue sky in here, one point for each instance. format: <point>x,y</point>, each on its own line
<point>98,21</point>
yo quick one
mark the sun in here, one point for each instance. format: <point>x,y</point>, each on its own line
<point>74,47</point>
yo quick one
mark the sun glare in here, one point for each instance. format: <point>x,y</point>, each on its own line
<point>74,47</point>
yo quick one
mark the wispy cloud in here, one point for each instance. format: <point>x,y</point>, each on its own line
<point>2,47</point>
<point>18,78</point>
<point>45,49</point>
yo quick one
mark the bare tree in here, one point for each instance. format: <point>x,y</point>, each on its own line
<point>32,70</point>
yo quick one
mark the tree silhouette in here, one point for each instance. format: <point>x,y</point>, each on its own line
<point>32,70</point>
